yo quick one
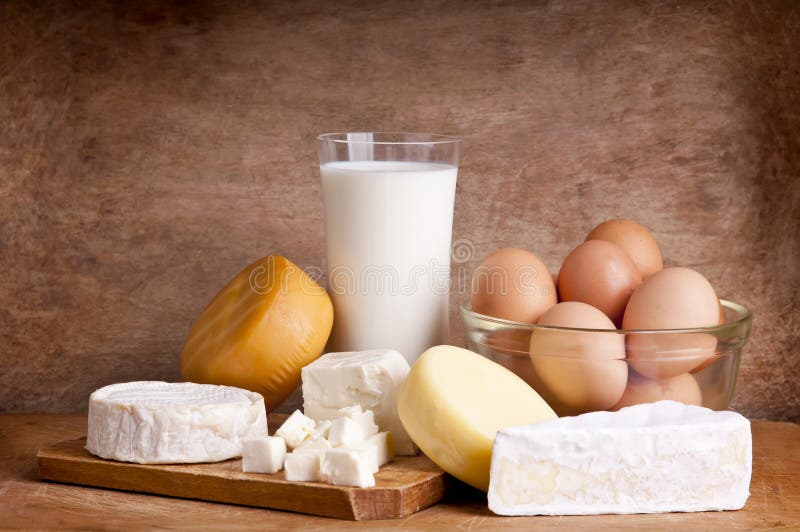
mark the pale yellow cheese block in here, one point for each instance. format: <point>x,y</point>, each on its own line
<point>454,401</point>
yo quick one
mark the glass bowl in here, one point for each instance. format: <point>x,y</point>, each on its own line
<point>583,370</point>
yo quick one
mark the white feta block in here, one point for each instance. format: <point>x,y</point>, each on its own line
<point>346,433</point>
<point>304,465</point>
<point>379,448</point>
<point>658,457</point>
<point>348,467</point>
<point>369,379</point>
<point>263,455</point>
<point>296,429</point>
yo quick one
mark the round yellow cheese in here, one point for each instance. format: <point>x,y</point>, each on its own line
<point>259,331</point>
<point>454,401</point>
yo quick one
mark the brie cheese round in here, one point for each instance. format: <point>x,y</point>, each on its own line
<point>152,422</point>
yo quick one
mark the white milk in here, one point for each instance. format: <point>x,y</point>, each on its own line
<point>388,228</point>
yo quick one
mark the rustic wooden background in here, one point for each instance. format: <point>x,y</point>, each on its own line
<point>147,154</point>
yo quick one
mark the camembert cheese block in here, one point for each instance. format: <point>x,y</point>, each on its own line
<point>152,422</point>
<point>657,457</point>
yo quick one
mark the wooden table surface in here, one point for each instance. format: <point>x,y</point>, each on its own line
<point>26,502</point>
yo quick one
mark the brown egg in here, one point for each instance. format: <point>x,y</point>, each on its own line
<point>601,274</point>
<point>682,388</point>
<point>635,240</point>
<point>674,298</point>
<point>584,370</point>
<point>512,284</point>
<point>710,360</point>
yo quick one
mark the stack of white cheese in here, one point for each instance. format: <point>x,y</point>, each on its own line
<point>346,451</point>
<point>350,427</point>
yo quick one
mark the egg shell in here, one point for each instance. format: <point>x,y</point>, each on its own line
<point>682,388</point>
<point>601,274</point>
<point>674,298</point>
<point>664,355</point>
<point>635,240</point>
<point>512,284</point>
<point>585,370</point>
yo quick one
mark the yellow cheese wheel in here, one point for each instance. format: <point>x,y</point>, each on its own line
<point>267,323</point>
<point>454,401</point>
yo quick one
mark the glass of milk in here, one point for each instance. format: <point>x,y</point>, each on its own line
<point>388,224</point>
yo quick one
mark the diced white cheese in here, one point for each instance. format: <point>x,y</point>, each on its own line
<point>367,378</point>
<point>658,457</point>
<point>346,433</point>
<point>323,428</point>
<point>296,429</point>
<point>153,422</point>
<point>348,467</point>
<point>379,449</point>
<point>304,465</point>
<point>263,455</point>
<point>314,442</point>
<point>364,418</point>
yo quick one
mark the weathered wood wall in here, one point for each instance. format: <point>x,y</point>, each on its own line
<point>148,153</point>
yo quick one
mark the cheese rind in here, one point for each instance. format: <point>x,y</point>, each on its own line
<point>453,403</point>
<point>657,457</point>
<point>153,422</point>
<point>369,379</point>
<point>259,330</point>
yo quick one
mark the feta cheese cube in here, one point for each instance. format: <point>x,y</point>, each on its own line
<point>314,442</point>
<point>296,429</point>
<point>263,455</point>
<point>369,379</point>
<point>304,465</point>
<point>364,418</point>
<point>346,433</point>
<point>323,428</point>
<point>348,467</point>
<point>379,449</point>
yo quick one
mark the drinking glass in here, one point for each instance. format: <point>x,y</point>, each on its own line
<point>388,225</point>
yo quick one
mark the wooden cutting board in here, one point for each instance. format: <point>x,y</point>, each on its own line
<point>404,486</point>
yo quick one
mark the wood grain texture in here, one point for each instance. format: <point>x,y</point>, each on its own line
<point>402,487</point>
<point>26,502</point>
<point>149,152</point>
<point>405,486</point>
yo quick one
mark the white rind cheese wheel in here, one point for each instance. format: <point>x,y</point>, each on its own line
<point>152,422</point>
<point>454,401</point>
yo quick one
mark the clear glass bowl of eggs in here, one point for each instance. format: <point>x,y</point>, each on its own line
<point>613,329</point>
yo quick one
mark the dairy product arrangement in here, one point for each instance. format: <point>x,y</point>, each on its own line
<point>638,346</point>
